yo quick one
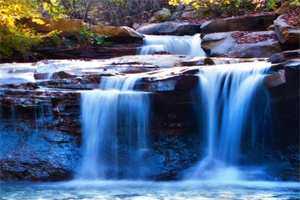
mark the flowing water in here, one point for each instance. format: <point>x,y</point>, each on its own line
<point>226,98</point>
<point>115,120</point>
<point>115,131</point>
<point>16,73</point>
<point>137,190</point>
<point>180,45</point>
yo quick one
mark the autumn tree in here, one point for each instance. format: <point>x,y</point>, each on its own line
<point>16,37</point>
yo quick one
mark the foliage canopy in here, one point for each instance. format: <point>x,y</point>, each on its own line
<point>233,4</point>
<point>15,36</point>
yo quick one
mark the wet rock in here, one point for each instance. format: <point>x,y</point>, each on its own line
<point>216,61</point>
<point>241,44</point>
<point>160,61</point>
<point>170,28</point>
<point>284,56</point>
<point>292,64</point>
<point>257,22</point>
<point>171,84</point>
<point>12,170</point>
<point>99,52</point>
<point>62,75</point>
<point>23,86</point>
<point>43,119</point>
<point>276,79</point>
<point>285,101</point>
<point>175,153</point>
<point>41,155</point>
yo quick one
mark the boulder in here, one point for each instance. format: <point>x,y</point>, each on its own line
<point>241,44</point>
<point>116,32</point>
<point>62,75</point>
<point>161,15</point>
<point>275,79</point>
<point>284,8</point>
<point>284,56</point>
<point>75,26</point>
<point>170,28</point>
<point>287,28</point>
<point>257,22</point>
<point>65,26</point>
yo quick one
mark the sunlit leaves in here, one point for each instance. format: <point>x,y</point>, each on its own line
<point>53,8</point>
<point>258,4</point>
<point>13,10</point>
<point>15,35</point>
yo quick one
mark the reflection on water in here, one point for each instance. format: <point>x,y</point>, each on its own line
<point>111,190</point>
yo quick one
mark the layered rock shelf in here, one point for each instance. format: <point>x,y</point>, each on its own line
<point>40,100</point>
<point>42,112</point>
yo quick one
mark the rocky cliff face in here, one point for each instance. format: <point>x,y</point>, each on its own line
<point>40,120</point>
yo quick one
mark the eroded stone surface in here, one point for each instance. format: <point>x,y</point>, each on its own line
<point>241,44</point>
<point>256,22</point>
<point>287,28</point>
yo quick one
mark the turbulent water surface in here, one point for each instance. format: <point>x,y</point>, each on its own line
<point>180,45</point>
<point>228,96</point>
<point>115,131</point>
<point>149,190</point>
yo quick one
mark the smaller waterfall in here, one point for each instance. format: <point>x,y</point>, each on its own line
<point>227,97</point>
<point>180,45</point>
<point>115,128</point>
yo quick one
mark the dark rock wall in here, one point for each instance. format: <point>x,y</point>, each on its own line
<point>31,149</point>
<point>285,151</point>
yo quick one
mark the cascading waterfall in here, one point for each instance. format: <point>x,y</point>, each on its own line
<point>227,95</point>
<point>180,45</point>
<point>115,128</point>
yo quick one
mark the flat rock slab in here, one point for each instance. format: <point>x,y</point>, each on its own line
<point>241,44</point>
<point>86,74</point>
<point>256,22</point>
<point>42,118</point>
<point>287,28</point>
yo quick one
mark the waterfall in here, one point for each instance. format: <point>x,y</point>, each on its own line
<point>180,45</point>
<point>227,98</point>
<point>115,131</point>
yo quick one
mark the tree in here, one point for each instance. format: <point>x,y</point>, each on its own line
<point>254,4</point>
<point>78,8</point>
<point>16,37</point>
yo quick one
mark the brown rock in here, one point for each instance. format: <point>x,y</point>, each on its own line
<point>258,22</point>
<point>284,56</point>
<point>71,26</point>
<point>62,75</point>
<point>241,44</point>
<point>116,32</point>
<point>275,79</point>
<point>288,30</point>
<point>66,26</point>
